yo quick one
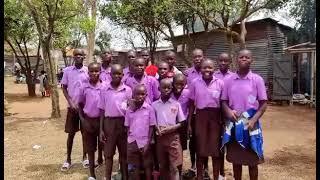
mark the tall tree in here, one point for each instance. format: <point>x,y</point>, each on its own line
<point>225,14</point>
<point>304,12</point>
<point>103,40</point>
<point>46,14</point>
<point>139,15</point>
<point>89,26</point>
<point>20,35</point>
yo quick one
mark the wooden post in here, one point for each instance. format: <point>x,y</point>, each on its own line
<point>312,77</point>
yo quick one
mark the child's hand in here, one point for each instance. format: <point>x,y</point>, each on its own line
<point>251,123</point>
<point>145,149</point>
<point>102,137</point>
<point>165,130</point>
<point>158,131</point>
<point>189,131</point>
<point>232,114</point>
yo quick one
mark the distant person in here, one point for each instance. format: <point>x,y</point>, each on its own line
<point>171,58</point>
<point>163,70</point>
<point>89,114</point>
<point>151,69</point>
<point>43,81</point>
<point>128,71</point>
<point>139,77</point>
<point>71,76</point>
<point>224,61</point>
<point>106,58</point>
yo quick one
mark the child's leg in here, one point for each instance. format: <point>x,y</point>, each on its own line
<point>253,172</point>
<point>237,171</point>
<point>222,164</point>
<point>108,168</point>
<point>69,146</point>
<point>192,145</point>
<point>91,163</point>
<point>122,148</point>
<point>134,172</point>
<point>174,173</point>
<point>100,148</point>
<point>84,150</point>
<point>200,162</point>
<point>215,167</point>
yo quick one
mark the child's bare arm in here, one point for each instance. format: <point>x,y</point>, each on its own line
<point>191,111</point>
<point>262,108</point>
<point>80,110</point>
<point>171,129</point>
<point>146,147</point>
<point>102,136</point>
<point>66,95</point>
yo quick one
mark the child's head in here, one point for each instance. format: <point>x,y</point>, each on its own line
<point>94,71</point>
<point>131,55</point>
<point>139,66</point>
<point>106,56</point>
<point>145,54</point>
<point>116,73</point>
<point>170,58</point>
<point>78,56</point>
<point>197,58</point>
<point>165,88</point>
<point>139,94</point>
<point>163,69</point>
<point>224,61</point>
<point>179,82</point>
<point>207,68</point>
<point>244,59</point>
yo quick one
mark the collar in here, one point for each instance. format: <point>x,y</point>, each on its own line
<point>120,88</point>
<point>144,106</point>
<point>193,70</point>
<point>105,70</point>
<point>219,72</point>
<point>212,80</point>
<point>170,100</point>
<point>82,69</point>
<point>89,85</point>
<point>248,76</point>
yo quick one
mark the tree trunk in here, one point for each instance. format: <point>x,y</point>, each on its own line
<point>243,33</point>
<point>231,50</point>
<point>51,69</point>
<point>31,85</point>
<point>91,34</point>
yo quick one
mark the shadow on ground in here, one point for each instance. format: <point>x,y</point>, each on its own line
<point>15,97</point>
<point>13,123</point>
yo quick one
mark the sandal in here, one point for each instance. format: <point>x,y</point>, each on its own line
<point>66,166</point>
<point>85,164</point>
<point>190,173</point>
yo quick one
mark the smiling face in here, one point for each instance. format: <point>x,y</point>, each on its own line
<point>94,72</point>
<point>207,68</point>
<point>244,59</point>
<point>197,58</point>
<point>116,73</point>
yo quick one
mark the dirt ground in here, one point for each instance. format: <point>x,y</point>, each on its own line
<point>289,141</point>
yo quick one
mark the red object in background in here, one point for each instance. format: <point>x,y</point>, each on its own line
<point>151,70</point>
